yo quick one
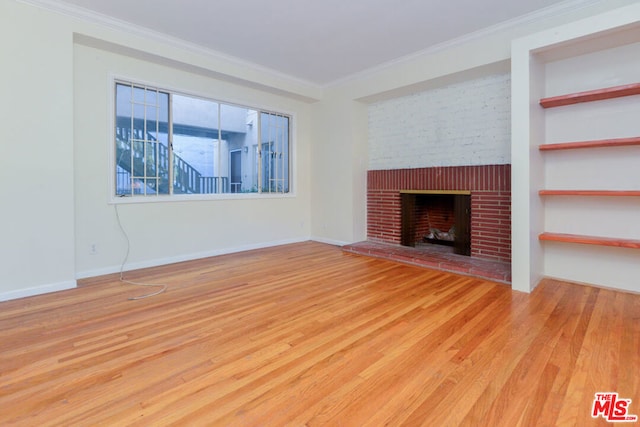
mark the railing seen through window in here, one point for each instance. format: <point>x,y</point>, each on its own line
<point>171,144</point>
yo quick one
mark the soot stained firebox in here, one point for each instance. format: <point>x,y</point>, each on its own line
<point>435,216</point>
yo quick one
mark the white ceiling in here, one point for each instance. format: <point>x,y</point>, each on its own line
<point>318,41</point>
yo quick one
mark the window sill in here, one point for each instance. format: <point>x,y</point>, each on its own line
<point>115,200</point>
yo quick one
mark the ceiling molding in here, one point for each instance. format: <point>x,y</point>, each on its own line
<point>92,42</point>
<point>92,17</point>
<point>496,68</point>
<point>555,10</point>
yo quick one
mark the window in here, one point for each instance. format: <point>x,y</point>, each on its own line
<point>173,144</point>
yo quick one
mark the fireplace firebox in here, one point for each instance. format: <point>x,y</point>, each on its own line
<point>436,217</point>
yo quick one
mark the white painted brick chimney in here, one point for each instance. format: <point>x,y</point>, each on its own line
<point>467,123</point>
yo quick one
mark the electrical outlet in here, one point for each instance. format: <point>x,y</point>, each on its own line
<point>93,249</point>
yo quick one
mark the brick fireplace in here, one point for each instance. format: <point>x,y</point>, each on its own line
<point>490,193</point>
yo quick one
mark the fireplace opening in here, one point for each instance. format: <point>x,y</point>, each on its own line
<point>436,217</point>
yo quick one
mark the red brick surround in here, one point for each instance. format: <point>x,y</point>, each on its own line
<point>490,188</point>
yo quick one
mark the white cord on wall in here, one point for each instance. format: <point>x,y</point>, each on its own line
<point>124,261</point>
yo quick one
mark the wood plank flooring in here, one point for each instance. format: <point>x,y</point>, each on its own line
<point>306,334</point>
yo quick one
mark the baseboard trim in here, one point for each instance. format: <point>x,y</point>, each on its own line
<point>627,289</point>
<point>181,258</point>
<point>37,290</point>
<point>329,241</point>
<point>63,286</point>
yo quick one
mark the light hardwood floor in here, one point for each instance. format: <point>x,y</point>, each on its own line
<point>305,334</point>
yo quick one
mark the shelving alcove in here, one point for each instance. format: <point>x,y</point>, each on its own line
<point>576,202</point>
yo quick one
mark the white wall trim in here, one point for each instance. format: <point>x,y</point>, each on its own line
<point>87,15</point>
<point>181,258</point>
<point>63,286</point>
<point>37,290</point>
<point>554,10</point>
<point>90,16</point>
<point>632,291</point>
<point>329,241</point>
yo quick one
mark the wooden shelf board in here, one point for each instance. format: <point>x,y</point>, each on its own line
<point>591,95</point>
<point>614,193</point>
<point>617,142</point>
<point>590,240</point>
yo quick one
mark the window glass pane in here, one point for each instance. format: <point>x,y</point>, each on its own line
<point>123,138</point>
<point>150,186</point>
<point>142,165</point>
<point>138,95</point>
<point>275,153</point>
<point>151,123</point>
<point>151,97</point>
<point>138,159</point>
<point>163,117</point>
<point>195,145</point>
<point>238,173</point>
<point>138,121</point>
<point>151,158</point>
<point>123,97</point>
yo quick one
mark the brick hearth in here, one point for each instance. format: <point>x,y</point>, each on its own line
<point>435,257</point>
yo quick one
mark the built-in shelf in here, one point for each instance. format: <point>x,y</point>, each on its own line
<point>607,193</point>
<point>616,142</point>
<point>591,95</point>
<point>590,240</point>
<point>575,98</point>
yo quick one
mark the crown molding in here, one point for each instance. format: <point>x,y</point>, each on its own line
<point>92,17</point>
<point>538,15</point>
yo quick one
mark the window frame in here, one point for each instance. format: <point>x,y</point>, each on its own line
<point>114,198</point>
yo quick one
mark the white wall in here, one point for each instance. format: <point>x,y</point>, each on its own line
<point>37,215</point>
<point>467,123</point>
<point>339,165</point>
<point>527,172</point>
